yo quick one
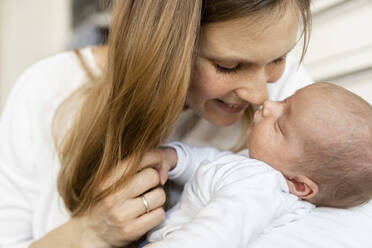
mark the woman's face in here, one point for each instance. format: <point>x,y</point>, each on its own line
<point>236,60</point>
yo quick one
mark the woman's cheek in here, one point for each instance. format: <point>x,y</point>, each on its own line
<point>208,84</point>
<point>275,71</point>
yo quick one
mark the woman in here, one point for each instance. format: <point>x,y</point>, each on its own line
<point>198,66</point>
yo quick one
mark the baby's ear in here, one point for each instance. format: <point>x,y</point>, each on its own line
<point>302,186</point>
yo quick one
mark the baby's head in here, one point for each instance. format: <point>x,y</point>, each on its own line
<point>320,138</point>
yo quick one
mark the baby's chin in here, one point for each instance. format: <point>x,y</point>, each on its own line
<point>248,136</point>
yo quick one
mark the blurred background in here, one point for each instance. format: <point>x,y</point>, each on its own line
<point>340,50</point>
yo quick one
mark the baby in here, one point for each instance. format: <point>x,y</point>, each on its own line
<point>318,143</point>
<point>320,139</point>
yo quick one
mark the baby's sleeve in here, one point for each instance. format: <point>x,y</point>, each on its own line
<point>189,159</point>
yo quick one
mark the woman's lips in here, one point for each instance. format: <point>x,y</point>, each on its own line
<point>229,107</point>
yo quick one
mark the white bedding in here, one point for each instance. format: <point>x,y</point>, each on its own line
<point>317,230</point>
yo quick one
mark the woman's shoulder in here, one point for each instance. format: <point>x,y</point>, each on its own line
<point>55,76</point>
<point>63,67</point>
<point>42,88</point>
<point>31,104</point>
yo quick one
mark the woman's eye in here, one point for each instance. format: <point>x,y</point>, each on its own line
<point>227,69</point>
<point>279,60</point>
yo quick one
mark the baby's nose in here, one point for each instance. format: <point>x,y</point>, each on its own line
<point>271,108</point>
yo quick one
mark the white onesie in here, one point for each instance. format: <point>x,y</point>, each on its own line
<point>229,201</point>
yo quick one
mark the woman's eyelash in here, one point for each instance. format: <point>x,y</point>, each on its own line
<point>237,68</point>
<point>279,60</point>
<point>227,70</point>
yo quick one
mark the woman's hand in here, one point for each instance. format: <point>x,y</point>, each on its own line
<point>122,217</point>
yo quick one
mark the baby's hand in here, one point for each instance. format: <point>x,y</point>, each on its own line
<point>162,159</point>
<point>169,162</point>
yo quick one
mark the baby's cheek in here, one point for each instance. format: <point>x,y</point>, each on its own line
<point>258,142</point>
<point>251,136</point>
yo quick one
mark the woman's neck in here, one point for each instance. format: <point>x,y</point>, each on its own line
<point>100,55</point>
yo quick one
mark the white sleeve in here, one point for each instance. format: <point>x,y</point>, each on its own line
<point>19,179</point>
<point>189,160</point>
<point>227,204</point>
<point>303,77</point>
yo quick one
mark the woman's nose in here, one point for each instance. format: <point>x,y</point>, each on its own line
<point>271,108</point>
<point>254,94</point>
<point>253,90</point>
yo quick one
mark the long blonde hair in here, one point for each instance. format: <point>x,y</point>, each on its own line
<point>134,105</point>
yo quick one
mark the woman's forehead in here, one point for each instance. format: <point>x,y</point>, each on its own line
<point>253,38</point>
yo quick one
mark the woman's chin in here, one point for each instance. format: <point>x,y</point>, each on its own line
<point>217,116</point>
<point>223,121</point>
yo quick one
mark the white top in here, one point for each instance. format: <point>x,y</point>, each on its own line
<point>29,202</point>
<point>230,201</point>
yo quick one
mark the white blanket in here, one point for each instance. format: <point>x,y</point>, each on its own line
<point>317,230</point>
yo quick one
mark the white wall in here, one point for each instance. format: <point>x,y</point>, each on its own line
<point>340,49</point>
<point>29,31</point>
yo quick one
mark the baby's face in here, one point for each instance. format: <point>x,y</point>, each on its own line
<point>278,128</point>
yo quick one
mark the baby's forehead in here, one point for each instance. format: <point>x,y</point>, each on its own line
<point>328,91</point>
<point>320,99</point>
<point>328,113</point>
<point>315,90</point>
<point>306,103</point>
<point>312,112</point>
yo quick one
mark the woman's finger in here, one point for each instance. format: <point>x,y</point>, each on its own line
<point>154,199</point>
<point>161,159</point>
<point>148,221</point>
<point>138,184</point>
<point>134,208</point>
<point>151,158</point>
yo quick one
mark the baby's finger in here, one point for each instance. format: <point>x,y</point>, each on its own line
<point>163,173</point>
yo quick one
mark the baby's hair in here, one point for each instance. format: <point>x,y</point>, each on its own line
<point>341,164</point>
